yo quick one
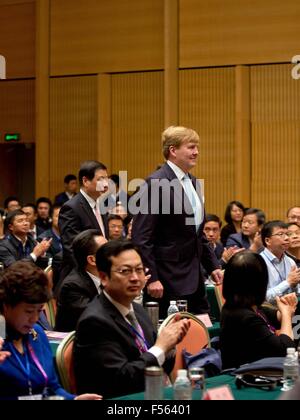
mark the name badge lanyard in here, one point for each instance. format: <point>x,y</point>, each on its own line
<point>26,368</point>
<point>140,339</point>
<point>279,273</point>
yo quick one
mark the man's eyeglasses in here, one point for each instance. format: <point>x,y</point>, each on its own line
<point>283,234</point>
<point>126,272</point>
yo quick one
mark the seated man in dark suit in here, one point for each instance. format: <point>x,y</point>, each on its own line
<point>70,182</point>
<point>115,339</point>
<point>19,245</point>
<point>82,284</point>
<point>249,237</point>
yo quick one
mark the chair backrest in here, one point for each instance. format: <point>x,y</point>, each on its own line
<point>197,338</point>
<point>50,309</point>
<point>65,363</point>
<point>219,295</point>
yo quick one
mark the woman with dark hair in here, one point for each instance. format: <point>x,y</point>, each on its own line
<point>249,331</point>
<point>28,371</point>
<point>233,216</point>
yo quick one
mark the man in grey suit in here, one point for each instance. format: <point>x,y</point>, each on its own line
<point>168,229</point>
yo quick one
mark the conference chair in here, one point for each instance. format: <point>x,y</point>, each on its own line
<point>197,338</point>
<point>65,363</point>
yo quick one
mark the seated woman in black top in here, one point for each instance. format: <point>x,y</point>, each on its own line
<point>234,214</point>
<point>248,331</point>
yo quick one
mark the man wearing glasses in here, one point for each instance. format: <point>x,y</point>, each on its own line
<point>284,276</point>
<point>115,340</point>
<point>293,215</point>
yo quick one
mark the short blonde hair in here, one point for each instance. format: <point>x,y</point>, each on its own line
<point>176,136</point>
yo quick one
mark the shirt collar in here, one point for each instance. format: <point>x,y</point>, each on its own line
<point>96,280</point>
<point>124,311</point>
<point>20,240</point>
<point>178,171</point>
<point>89,199</point>
<point>272,257</point>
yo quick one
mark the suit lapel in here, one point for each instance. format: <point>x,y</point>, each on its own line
<point>89,212</point>
<point>120,321</point>
<point>180,195</point>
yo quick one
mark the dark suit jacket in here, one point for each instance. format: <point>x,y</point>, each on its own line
<point>76,291</point>
<point>75,216</point>
<point>11,250</point>
<point>238,239</point>
<point>56,245</point>
<point>61,199</point>
<point>170,248</point>
<point>107,360</point>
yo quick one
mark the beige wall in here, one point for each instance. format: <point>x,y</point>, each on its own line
<point>17,38</point>
<point>225,32</point>
<point>226,80</point>
<point>73,126</point>
<point>92,36</point>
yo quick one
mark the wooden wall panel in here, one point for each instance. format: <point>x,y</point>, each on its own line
<point>137,123</point>
<point>17,38</point>
<point>73,126</point>
<point>207,104</point>
<point>275,108</point>
<point>92,36</point>
<point>218,32</point>
<point>17,106</point>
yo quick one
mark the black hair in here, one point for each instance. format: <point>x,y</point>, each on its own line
<point>33,206</point>
<point>88,169</point>
<point>9,199</point>
<point>70,177</point>
<point>213,218</point>
<point>260,215</point>
<point>84,245</point>
<point>112,249</point>
<point>24,282</point>
<point>268,228</point>
<point>44,200</point>
<point>245,280</point>
<point>114,217</point>
<point>116,179</point>
<point>10,218</point>
<point>227,216</point>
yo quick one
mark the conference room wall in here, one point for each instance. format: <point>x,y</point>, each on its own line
<point>129,36</point>
<point>17,108</point>
<point>17,37</point>
<point>275,133</point>
<point>73,126</point>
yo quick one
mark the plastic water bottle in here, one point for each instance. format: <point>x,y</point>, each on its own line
<point>173,307</point>
<point>182,386</point>
<point>290,369</point>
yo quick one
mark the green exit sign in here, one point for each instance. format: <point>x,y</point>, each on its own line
<point>12,137</point>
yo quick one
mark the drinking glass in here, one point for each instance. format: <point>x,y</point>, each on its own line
<point>197,378</point>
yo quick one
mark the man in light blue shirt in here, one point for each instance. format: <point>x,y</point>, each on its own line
<point>284,276</point>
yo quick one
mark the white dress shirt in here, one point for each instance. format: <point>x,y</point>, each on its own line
<point>96,281</point>
<point>93,204</point>
<point>278,271</point>
<point>197,207</point>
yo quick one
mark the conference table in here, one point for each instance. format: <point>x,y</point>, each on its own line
<point>245,393</point>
